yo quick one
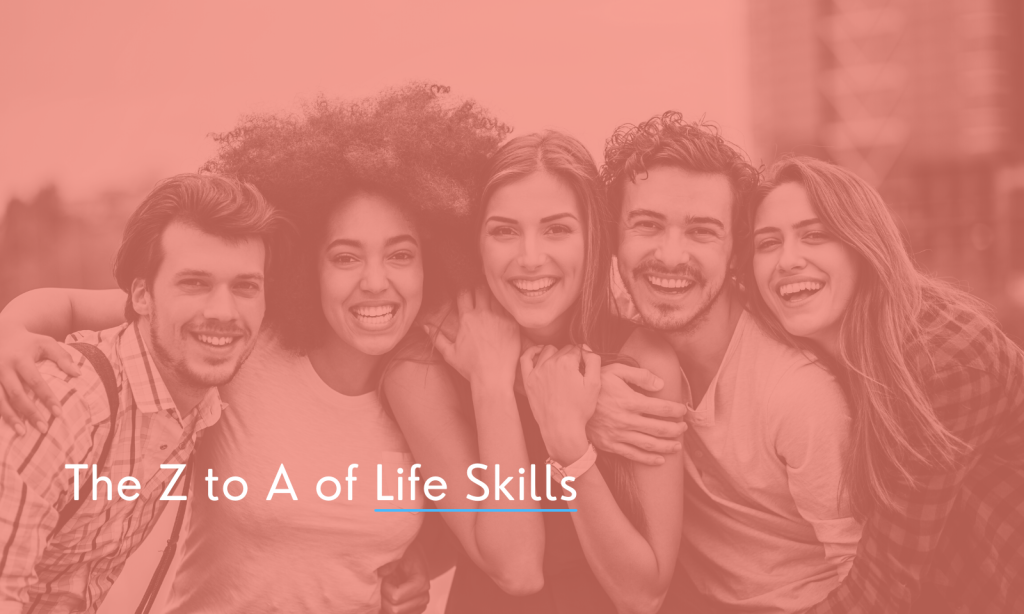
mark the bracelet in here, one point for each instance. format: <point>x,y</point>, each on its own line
<point>577,468</point>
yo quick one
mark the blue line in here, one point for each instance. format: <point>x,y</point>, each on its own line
<point>424,509</point>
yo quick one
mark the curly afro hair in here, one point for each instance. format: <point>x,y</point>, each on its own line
<point>668,140</point>
<point>416,145</point>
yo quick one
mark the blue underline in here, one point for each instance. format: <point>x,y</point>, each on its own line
<point>424,509</point>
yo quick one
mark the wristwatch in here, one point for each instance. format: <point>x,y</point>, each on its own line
<point>576,469</point>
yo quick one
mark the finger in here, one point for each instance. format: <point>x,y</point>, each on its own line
<point>637,455</point>
<point>413,606</point>
<point>546,354</point>
<point>407,590</point>
<point>443,344</point>
<point>639,377</point>
<point>528,360</point>
<point>591,367</point>
<point>22,404</point>
<point>662,429</point>
<point>31,378</point>
<point>51,350</point>
<point>464,301</point>
<point>11,418</point>
<point>660,408</point>
<point>652,445</point>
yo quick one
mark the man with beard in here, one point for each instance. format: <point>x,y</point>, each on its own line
<point>766,529</point>
<point>193,262</point>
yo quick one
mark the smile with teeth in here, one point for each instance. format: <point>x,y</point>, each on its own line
<point>214,340</point>
<point>374,313</point>
<point>800,289</point>
<point>533,287</point>
<point>669,283</point>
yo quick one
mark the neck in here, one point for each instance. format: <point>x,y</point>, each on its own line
<point>556,334</point>
<point>827,341</point>
<point>344,368</point>
<point>701,349</point>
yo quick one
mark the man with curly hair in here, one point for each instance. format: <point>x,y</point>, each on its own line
<point>765,529</point>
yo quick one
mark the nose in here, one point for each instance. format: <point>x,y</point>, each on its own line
<point>375,278</point>
<point>791,257</point>
<point>531,252</point>
<point>220,304</point>
<point>673,250</point>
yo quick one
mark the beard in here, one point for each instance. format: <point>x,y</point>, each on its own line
<point>179,366</point>
<point>666,317</point>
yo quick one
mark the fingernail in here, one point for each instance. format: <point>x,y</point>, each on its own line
<point>677,447</point>
<point>661,460</point>
<point>55,409</point>
<point>42,427</point>
<point>19,429</point>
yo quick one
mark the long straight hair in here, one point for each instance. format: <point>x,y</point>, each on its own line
<point>895,431</point>
<point>568,160</point>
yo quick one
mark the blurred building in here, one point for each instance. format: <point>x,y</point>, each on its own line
<point>925,99</point>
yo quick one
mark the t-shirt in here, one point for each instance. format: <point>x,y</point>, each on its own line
<point>765,529</point>
<point>306,555</point>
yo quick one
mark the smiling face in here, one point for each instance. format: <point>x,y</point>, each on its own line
<point>675,244</point>
<point>204,306</point>
<point>532,247</point>
<point>805,275</point>
<point>371,273</point>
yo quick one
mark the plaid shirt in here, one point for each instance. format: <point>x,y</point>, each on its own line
<point>958,544</point>
<point>72,571</point>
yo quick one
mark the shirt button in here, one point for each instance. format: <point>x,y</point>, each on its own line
<point>163,447</point>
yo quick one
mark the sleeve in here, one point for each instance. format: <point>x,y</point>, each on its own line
<point>811,432</point>
<point>34,484</point>
<point>898,543</point>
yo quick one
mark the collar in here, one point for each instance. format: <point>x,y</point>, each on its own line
<point>704,413</point>
<point>149,390</point>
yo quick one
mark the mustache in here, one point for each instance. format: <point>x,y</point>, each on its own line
<point>653,267</point>
<point>218,330</point>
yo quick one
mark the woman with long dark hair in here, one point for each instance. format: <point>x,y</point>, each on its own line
<point>936,391</point>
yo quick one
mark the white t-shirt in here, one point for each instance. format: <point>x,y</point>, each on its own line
<point>307,555</point>
<point>764,527</point>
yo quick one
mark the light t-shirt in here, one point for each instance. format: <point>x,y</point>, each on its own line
<point>764,528</point>
<point>307,555</point>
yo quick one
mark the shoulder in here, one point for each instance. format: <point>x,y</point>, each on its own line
<point>651,351</point>
<point>84,397</point>
<point>951,337</point>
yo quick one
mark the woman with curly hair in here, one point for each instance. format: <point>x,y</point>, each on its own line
<point>542,230</point>
<point>371,186</point>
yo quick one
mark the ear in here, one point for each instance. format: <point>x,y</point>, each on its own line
<point>142,300</point>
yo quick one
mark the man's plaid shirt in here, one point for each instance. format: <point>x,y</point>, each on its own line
<point>958,543</point>
<point>72,571</point>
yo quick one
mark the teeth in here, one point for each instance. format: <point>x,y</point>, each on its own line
<point>789,289</point>
<point>374,312</point>
<point>664,282</point>
<point>215,340</point>
<point>533,285</point>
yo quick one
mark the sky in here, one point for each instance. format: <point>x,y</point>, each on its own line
<point>107,95</point>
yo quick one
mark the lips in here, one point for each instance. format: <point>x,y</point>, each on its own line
<point>796,291</point>
<point>374,317</point>
<point>533,287</point>
<point>214,339</point>
<point>672,285</point>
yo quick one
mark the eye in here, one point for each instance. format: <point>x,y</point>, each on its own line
<point>704,232</point>
<point>816,236</point>
<point>559,229</point>
<point>767,243</point>
<point>342,258</point>
<point>501,231</point>
<point>248,288</point>
<point>192,283</point>
<point>647,225</point>
<point>403,256</point>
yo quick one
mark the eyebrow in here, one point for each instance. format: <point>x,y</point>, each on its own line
<point>199,273</point>
<point>543,220</point>
<point>798,225</point>
<point>690,219</point>
<point>388,243</point>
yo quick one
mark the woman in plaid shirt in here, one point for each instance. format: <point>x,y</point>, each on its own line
<point>935,468</point>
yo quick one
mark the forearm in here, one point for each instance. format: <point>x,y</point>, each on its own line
<point>511,545</point>
<point>58,312</point>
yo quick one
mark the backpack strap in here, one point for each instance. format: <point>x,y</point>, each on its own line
<point>105,371</point>
<point>149,597</point>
